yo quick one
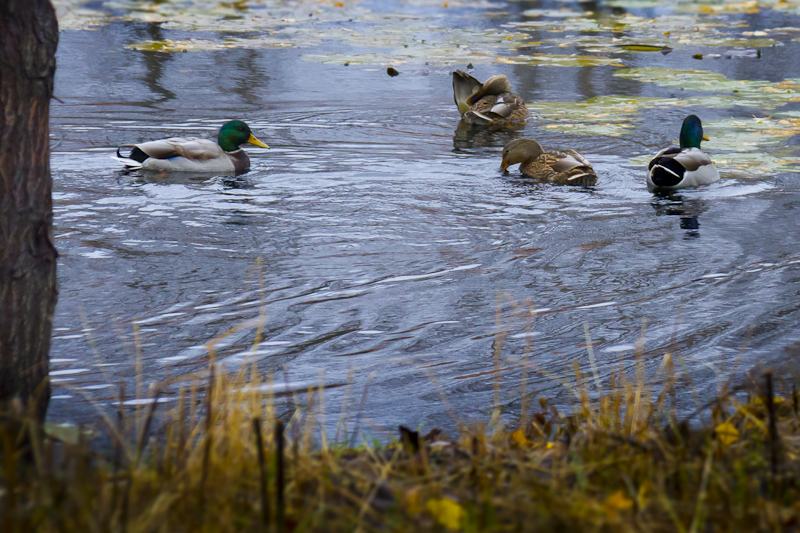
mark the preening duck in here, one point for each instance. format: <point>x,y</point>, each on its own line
<point>179,154</point>
<point>490,102</point>
<point>562,167</point>
<point>685,166</point>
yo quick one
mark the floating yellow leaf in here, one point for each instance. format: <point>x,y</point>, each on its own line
<point>447,512</point>
<point>641,47</point>
<point>727,433</point>
<point>548,445</point>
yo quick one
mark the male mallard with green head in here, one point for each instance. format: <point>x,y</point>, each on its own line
<point>562,167</point>
<point>490,102</point>
<point>179,154</point>
<point>685,166</point>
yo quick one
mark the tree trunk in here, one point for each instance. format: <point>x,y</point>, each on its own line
<point>28,291</point>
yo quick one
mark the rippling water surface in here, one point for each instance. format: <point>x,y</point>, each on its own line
<point>381,243</point>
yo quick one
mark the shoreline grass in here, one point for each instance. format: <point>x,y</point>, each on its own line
<point>621,460</point>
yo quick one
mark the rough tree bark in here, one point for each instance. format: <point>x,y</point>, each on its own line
<point>28,291</point>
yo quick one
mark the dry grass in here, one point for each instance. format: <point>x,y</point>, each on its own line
<point>220,460</point>
<point>619,462</point>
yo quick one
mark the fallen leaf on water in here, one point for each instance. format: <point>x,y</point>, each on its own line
<point>641,47</point>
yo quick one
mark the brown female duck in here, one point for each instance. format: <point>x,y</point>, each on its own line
<point>562,167</point>
<point>490,102</point>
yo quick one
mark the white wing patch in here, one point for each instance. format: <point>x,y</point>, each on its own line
<point>480,115</point>
<point>665,169</point>
<point>501,109</point>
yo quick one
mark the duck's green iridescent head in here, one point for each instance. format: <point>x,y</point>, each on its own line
<point>234,133</point>
<point>692,132</point>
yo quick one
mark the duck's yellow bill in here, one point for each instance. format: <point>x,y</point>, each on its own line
<point>705,138</point>
<point>503,166</point>
<point>253,140</point>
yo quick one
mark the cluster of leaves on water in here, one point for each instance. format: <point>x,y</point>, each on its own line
<point>711,7</point>
<point>605,33</point>
<point>611,116</point>
<point>303,24</point>
<point>601,39</point>
<point>400,38</point>
<point>747,146</point>
<point>208,15</point>
<point>756,94</point>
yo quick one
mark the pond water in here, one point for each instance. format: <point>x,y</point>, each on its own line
<point>380,241</point>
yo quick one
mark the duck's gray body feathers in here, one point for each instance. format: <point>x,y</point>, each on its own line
<point>680,168</point>
<point>180,154</point>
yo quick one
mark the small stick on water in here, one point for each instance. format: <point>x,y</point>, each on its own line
<point>262,465</point>
<point>279,477</point>
<point>773,428</point>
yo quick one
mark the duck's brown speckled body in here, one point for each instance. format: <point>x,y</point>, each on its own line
<point>562,167</point>
<point>491,102</point>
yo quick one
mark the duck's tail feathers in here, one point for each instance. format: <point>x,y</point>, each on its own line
<point>464,86</point>
<point>666,172</point>
<point>583,176</point>
<point>129,163</point>
<point>576,176</point>
<point>128,160</point>
<point>474,117</point>
<point>134,160</point>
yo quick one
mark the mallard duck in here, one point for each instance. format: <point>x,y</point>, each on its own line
<point>685,166</point>
<point>193,154</point>
<point>491,102</point>
<point>562,167</point>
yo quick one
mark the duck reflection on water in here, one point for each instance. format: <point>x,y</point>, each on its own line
<point>468,136</point>
<point>688,209</point>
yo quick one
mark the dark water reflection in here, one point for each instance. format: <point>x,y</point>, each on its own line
<point>379,237</point>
